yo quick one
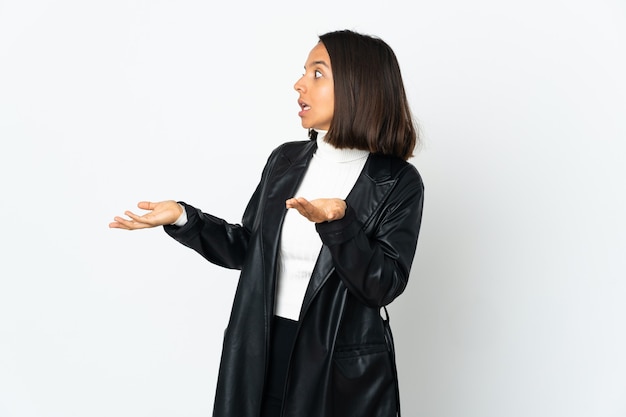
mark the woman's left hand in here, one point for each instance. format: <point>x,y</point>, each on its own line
<point>319,210</point>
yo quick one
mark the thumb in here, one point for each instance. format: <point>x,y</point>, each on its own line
<point>146,205</point>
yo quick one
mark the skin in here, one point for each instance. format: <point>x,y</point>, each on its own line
<point>161,213</point>
<point>316,90</point>
<point>316,100</point>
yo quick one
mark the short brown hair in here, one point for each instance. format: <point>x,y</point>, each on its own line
<point>371,109</point>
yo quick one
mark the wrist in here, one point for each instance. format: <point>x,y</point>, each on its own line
<point>182,218</point>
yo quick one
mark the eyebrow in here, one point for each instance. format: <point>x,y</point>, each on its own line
<point>318,63</point>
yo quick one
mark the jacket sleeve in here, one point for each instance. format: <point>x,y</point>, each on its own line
<point>375,266</point>
<point>222,243</point>
<point>218,241</point>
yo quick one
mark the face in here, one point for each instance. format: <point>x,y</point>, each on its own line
<point>316,90</point>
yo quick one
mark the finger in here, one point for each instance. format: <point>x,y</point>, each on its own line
<point>294,202</point>
<point>146,205</point>
<point>303,200</point>
<point>141,222</point>
<point>297,203</point>
<point>120,223</point>
<point>117,225</point>
<point>131,224</point>
<point>133,216</point>
<point>306,206</point>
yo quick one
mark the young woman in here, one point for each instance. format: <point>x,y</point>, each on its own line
<point>306,336</point>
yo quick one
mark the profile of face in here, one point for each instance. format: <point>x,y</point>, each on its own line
<point>316,90</point>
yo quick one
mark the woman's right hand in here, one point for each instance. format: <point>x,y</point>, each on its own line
<point>161,213</point>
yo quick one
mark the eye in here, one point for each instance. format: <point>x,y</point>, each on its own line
<point>318,74</point>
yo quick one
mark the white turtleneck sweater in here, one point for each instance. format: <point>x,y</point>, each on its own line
<point>331,173</point>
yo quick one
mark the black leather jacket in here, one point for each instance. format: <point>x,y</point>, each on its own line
<point>342,363</point>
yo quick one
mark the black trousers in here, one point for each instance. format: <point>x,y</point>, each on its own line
<point>283,335</point>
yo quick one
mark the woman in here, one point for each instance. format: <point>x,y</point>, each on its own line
<point>305,336</point>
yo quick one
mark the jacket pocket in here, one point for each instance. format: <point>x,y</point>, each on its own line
<point>363,382</point>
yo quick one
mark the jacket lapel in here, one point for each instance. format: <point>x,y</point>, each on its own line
<point>369,192</point>
<point>285,178</point>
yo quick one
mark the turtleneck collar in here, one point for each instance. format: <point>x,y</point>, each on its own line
<point>328,152</point>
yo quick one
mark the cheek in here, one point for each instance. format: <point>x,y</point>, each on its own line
<point>329,95</point>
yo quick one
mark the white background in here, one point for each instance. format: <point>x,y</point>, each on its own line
<point>516,305</point>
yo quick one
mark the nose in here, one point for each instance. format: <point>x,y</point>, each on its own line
<point>299,85</point>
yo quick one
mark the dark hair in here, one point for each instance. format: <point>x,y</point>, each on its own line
<point>371,109</point>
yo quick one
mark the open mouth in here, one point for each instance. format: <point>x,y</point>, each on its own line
<point>304,106</point>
